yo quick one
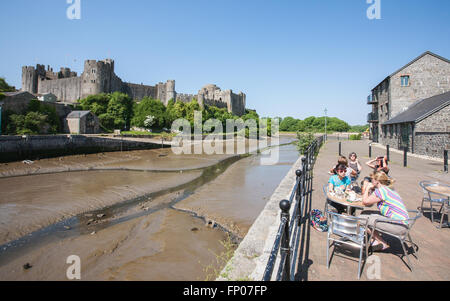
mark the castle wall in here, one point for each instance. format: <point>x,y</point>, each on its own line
<point>216,103</point>
<point>15,148</point>
<point>140,91</point>
<point>99,77</point>
<point>185,97</point>
<point>65,89</point>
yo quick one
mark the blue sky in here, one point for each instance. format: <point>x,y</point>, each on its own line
<point>291,58</point>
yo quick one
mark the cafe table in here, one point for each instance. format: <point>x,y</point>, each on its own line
<point>346,203</point>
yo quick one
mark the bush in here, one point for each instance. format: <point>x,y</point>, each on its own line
<point>355,137</point>
<point>32,123</point>
<point>304,141</point>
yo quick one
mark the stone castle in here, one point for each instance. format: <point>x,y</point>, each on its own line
<point>99,77</point>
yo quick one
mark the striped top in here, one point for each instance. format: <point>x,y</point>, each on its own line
<point>391,204</point>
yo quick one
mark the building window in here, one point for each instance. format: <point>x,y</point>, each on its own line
<point>405,80</point>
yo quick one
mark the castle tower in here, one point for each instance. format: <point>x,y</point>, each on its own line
<point>29,79</point>
<point>96,77</point>
<point>170,92</point>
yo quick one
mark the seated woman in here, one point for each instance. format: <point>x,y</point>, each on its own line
<point>350,173</point>
<point>339,183</point>
<point>390,205</point>
<point>353,163</point>
<point>379,164</point>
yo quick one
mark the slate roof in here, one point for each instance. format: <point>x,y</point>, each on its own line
<point>11,94</point>
<point>77,114</point>
<point>421,109</point>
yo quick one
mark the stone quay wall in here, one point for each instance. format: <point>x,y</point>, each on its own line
<point>16,148</point>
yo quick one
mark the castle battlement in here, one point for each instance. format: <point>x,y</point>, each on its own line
<point>99,77</point>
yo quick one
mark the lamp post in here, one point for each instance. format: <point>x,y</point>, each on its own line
<point>325,124</point>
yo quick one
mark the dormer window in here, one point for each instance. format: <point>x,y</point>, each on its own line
<point>405,81</point>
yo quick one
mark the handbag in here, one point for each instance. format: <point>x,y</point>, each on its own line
<point>319,221</point>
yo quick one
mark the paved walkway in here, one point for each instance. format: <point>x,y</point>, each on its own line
<point>433,261</point>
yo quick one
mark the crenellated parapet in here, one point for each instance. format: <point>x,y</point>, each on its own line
<point>214,96</point>
<point>99,77</point>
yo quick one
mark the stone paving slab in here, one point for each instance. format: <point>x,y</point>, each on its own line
<point>433,261</point>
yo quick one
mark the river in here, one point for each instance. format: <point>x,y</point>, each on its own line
<point>141,215</point>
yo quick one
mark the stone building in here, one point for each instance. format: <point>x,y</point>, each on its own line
<point>82,122</point>
<point>99,77</point>
<point>16,102</point>
<point>418,81</point>
<point>47,97</point>
<point>424,128</point>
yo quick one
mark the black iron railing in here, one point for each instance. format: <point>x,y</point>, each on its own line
<point>371,100</point>
<point>372,117</point>
<point>287,241</point>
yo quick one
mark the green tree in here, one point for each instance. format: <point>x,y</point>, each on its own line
<point>32,123</point>
<point>4,87</point>
<point>289,124</point>
<point>120,108</point>
<point>191,107</point>
<point>97,104</point>
<point>359,128</point>
<point>146,107</point>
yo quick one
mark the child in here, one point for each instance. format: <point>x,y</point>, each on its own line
<point>354,164</point>
<point>350,173</point>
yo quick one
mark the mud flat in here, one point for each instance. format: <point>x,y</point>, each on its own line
<point>32,202</point>
<point>133,240</point>
<point>167,245</point>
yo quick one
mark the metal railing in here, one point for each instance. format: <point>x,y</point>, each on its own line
<point>289,233</point>
<point>372,117</point>
<point>371,99</point>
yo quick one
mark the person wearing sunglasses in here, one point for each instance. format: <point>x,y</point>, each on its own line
<point>379,164</point>
<point>339,183</point>
<point>350,173</point>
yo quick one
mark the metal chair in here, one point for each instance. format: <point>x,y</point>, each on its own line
<point>350,230</point>
<point>325,193</point>
<point>402,238</point>
<point>445,212</point>
<point>432,198</point>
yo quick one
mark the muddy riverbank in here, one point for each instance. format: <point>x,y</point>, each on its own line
<point>174,245</point>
